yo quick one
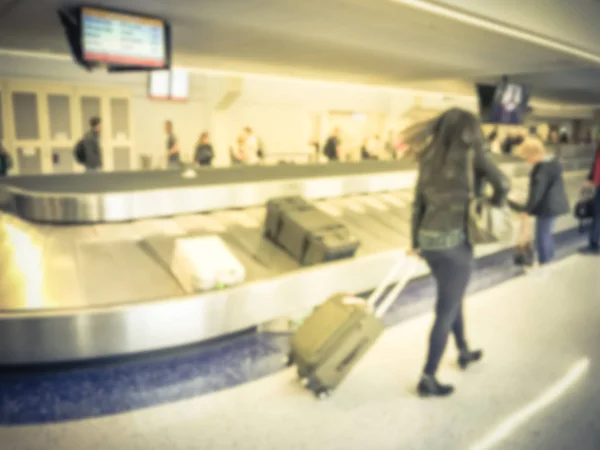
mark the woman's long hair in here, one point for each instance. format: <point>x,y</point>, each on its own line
<point>454,130</point>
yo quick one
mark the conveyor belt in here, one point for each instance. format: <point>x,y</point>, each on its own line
<point>364,226</point>
<point>108,264</point>
<point>129,196</point>
<point>117,182</point>
<point>100,290</point>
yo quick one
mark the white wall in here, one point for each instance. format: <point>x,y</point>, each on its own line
<point>189,117</point>
<point>283,128</point>
<point>189,120</point>
<point>281,111</point>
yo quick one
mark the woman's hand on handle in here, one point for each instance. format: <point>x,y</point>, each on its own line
<point>413,252</point>
<point>525,234</point>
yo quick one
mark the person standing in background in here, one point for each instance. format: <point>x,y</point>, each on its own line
<point>563,136</point>
<point>533,132</point>
<point>173,155</point>
<point>238,152</point>
<point>204,151</point>
<point>251,141</point>
<point>553,137</point>
<point>511,141</point>
<point>375,147</point>
<point>365,153</point>
<point>88,151</point>
<point>253,146</point>
<point>332,146</point>
<point>401,147</point>
<point>593,181</point>
<point>493,142</point>
<point>390,145</point>
<point>547,197</point>
<point>314,151</point>
<point>5,161</point>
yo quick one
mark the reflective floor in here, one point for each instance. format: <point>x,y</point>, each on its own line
<point>537,388</point>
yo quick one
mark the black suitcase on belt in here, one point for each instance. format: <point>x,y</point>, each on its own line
<point>329,244</point>
<point>308,234</point>
<point>275,209</point>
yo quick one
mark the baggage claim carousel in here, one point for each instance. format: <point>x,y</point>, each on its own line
<point>85,258</point>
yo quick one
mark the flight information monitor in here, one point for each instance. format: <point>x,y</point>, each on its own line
<point>121,39</point>
<point>505,103</point>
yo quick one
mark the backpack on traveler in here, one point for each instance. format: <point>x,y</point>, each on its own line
<point>79,152</point>
<point>5,163</point>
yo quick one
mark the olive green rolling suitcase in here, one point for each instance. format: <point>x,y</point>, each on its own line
<point>339,332</point>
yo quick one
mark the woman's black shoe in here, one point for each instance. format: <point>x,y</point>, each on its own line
<point>430,387</point>
<point>467,357</point>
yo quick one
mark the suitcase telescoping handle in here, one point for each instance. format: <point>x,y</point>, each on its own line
<point>401,273</point>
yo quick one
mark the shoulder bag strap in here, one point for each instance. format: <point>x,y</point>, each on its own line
<point>471,172</point>
<point>478,218</point>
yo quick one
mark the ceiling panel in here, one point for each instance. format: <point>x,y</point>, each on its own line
<point>570,21</point>
<point>368,41</point>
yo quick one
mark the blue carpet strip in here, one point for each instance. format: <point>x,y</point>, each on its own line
<point>74,392</point>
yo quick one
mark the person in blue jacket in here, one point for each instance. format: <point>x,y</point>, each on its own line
<point>547,197</point>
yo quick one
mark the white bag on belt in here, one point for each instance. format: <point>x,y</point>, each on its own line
<point>204,263</point>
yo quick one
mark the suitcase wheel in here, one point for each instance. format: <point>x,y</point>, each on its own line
<point>322,394</point>
<point>303,373</point>
<point>304,382</point>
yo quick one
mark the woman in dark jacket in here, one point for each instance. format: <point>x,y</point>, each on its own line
<point>204,151</point>
<point>440,224</point>
<point>547,196</point>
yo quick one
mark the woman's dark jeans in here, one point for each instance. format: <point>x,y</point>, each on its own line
<point>452,270</point>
